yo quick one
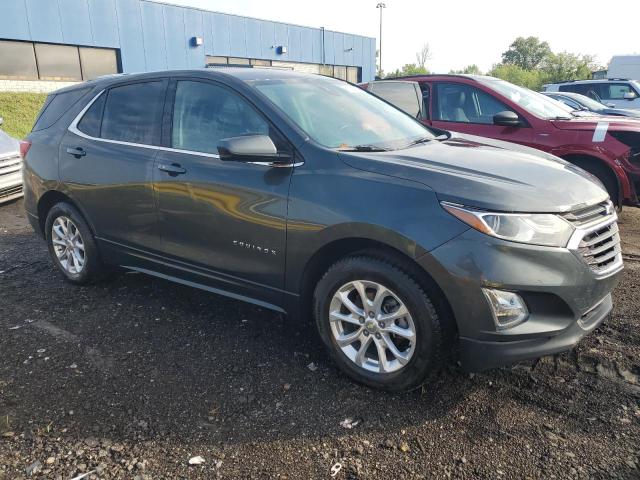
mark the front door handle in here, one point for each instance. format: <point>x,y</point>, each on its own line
<point>76,151</point>
<point>172,169</point>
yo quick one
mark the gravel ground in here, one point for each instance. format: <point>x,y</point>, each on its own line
<point>134,378</point>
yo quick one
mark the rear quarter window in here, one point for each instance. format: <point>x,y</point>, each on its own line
<point>56,105</point>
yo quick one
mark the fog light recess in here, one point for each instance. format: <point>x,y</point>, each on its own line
<point>508,308</point>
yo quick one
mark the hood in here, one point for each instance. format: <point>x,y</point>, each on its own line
<point>487,174</point>
<point>8,144</point>
<point>622,111</point>
<point>590,123</point>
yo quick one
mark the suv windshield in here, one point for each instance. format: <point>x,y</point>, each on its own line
<point>339,115</point>
<point>534,103</point>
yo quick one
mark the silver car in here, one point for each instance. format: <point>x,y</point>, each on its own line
<point>10,168</point>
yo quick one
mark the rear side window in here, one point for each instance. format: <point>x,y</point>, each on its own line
<point>92,119</point>
<point>56,106</point>
<point>403,95</point>
<point>133,113</point>
<point>591,90</point>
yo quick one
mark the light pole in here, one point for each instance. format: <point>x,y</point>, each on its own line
<point>380,6</point>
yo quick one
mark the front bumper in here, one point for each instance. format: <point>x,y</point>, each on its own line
<point>565,298</point>
<point>477,355</point>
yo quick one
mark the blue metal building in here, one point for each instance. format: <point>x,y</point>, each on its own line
<point>74,40</point>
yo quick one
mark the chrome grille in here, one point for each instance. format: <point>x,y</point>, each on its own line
<point>10,164</point>
<point>597,238</point>
<point>591,214</point>
<point>10,191</point>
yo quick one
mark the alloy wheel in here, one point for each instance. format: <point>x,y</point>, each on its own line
<point>68,245</point>
<point>372,326</point>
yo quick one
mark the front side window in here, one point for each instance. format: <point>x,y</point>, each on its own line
<point>458,102</point>
<point>339,115</point>
<point>616,91</point>
<point>205,113</point>
<point>133,113</point>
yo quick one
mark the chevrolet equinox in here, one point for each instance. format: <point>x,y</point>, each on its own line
<point>308,195</point>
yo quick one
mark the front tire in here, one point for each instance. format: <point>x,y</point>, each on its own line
<point>72,245</point>
<point>378,324</point>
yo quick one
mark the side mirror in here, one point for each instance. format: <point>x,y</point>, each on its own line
<point>629,96</point>
<point>507,119</point>
<point>250,148</point>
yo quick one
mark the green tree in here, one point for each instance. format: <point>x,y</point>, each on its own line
<point>533,79</point>
<point>568,66</point>
<point>408,69</point>
<point>527,53</point>
<point>468,70</point>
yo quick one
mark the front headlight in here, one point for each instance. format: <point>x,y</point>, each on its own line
<point>534,228</point>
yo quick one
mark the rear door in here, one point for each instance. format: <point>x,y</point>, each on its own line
<point>223,221</point>
<point>467,109</point>
<point>107,159</point>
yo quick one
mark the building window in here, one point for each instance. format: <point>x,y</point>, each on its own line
<point>340,72</point>
<point>216,60</point>
<point>17,60</point>
<point>96,62</point>
<point>326,70</point>
<point>238,61</point>
<point>47,61</point>
<point>353,74</point>
<point>58,62</point>
<point>261,63</point>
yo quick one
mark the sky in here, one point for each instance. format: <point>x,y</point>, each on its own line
<point>459,32</point>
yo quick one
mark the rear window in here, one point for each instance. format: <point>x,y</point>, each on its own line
<point>403,95</point>
<point>56,106</point>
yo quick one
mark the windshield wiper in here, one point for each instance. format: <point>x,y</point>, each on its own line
<point>363,148</point>
<point>420,140</point>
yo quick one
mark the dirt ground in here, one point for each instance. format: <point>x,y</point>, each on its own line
<point>133,378</point>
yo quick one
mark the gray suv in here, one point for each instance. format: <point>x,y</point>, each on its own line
<point>308,195</point>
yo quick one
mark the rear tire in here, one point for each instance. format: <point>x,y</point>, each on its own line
<point>346,325</point>
<point>72,245</point>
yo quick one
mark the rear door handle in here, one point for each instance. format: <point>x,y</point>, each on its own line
<point>76,151</point>
<point>172,169</point>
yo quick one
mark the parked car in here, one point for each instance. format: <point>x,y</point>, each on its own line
<point>608,148</point>
<point>308,195</point>
<point>615,93</point>
<point>582,103</point>
<point>10,168</point>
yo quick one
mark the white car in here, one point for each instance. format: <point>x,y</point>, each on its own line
<point>10,168</point>
<point>614,93</point>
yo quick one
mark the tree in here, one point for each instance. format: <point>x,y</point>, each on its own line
<point>527,53</point>
<point>423,55</point>
<point>469,70</point>
<point>408,69</point>
<point>568,66</point>
<point>533,79</point>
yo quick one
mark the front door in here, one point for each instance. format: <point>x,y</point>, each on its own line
<point>464,108</point>
<point>107,159</point>
<point>225,221</point>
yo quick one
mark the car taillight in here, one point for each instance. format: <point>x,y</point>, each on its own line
<point>25,145</point>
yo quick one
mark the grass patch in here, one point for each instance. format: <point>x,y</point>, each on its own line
<point>19,111</point>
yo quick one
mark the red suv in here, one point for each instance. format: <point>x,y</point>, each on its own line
<point>607,147</point>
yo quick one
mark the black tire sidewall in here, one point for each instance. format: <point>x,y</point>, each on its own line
<point>427,354</point>
<point>93,268</point>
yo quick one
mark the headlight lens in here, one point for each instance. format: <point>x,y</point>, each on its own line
<point>534,228</point>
